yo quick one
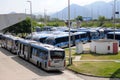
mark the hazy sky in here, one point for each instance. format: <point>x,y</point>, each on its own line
<point>51,6</point>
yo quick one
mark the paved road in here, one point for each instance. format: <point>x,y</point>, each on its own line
<point>14,68</point>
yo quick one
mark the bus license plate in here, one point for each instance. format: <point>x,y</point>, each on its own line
<point>56,61</point>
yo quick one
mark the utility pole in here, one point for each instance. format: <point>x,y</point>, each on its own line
<point>31,16</point>
<point>70,59</point>
<point>45,17</point>
<point>114,16</point>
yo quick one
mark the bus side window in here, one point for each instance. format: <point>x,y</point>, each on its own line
<point>37,53</point>
<point>45,55</point>
<point>34,51</point>
<point>25,49</point>
<point>16,44</point>
<point>42,54</point>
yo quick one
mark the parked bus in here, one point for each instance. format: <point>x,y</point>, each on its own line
<point>45,56</point>
<point>1,38</point>
<point>60,40</point>
<point>79,37</point>
<point>110,35</point>
<point>101,33</point>
<point>107,30</point>
<point>9,42</point>
<point>40,38</point>
<point>91,33</point>
<point>4,41</point>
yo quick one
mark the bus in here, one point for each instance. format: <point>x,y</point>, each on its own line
<point>79,37</point>
<point>41,37</point>
<point>59,40</point>
<point>110,35</point>
<point>101,33</point>
<point>46,56</point>
<point>91,33</point>
<point>9,42</point>
<point>23,48</point>
<point>62,39</point>
<point>1,38</point>
<point>3,41</point>
<point>107,30</point>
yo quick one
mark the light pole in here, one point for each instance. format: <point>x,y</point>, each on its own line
<point>31,16</point>
<point>70,59</point>
<point>45,17</point>
<point>114,16</point>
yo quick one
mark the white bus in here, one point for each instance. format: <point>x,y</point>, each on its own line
<point>9,42</point>
<point>45,56</point>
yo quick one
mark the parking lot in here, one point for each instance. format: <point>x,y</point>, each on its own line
<point>14,68</point>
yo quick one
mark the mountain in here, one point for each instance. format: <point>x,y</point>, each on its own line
<point>100,8</point>
<point>75,10</point>
<point>94,10</point>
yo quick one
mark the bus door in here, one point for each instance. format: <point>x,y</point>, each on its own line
<point>29,52</point>
<point>34,55</point>
<point>21,50</point>
<point>26,52</point>
<point>42,58</point>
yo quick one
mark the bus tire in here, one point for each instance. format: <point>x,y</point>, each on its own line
<point>38,64</point>
<point>24,57</point>
<point>18,53</point>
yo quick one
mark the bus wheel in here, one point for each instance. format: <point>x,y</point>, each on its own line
<point>38,64</point>
<point>24,57</point>
<point>18,53</point>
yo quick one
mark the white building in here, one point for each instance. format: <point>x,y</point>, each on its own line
<point>104,46</point>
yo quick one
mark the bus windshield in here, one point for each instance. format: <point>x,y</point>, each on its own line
<point>57,54</point>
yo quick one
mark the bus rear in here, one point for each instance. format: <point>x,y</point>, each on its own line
<point>56,60</point>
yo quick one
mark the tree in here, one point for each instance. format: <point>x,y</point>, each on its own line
<point>79,18</point>
<point>101,19</point>
<point>22,27</point>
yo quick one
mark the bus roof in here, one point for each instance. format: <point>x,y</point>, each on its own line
<point>79,33</point>
<point>26,42</point>
<point>114,33</point>
<point>45,46</point>
<point>11,37</point>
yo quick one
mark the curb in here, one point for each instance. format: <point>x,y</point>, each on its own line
<point>90,74</point>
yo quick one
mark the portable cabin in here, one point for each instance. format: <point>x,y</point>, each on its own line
<point>104,46</point>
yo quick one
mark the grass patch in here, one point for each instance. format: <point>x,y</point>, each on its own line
<point>67,58</point>
<point>105,69</point>
<point>72,51</point>
<point>100,57</point>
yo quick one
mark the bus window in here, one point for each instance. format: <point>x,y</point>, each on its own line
<point>57,55</point>
<point>76,36</point>
<point>50,41</point>
<point>25,49</point>
<point>83,35</point>
<point>16,44</point>
<point>43,54</point>
<point>34,51</point>
<point>110,36</point>
<point>42,40</point>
